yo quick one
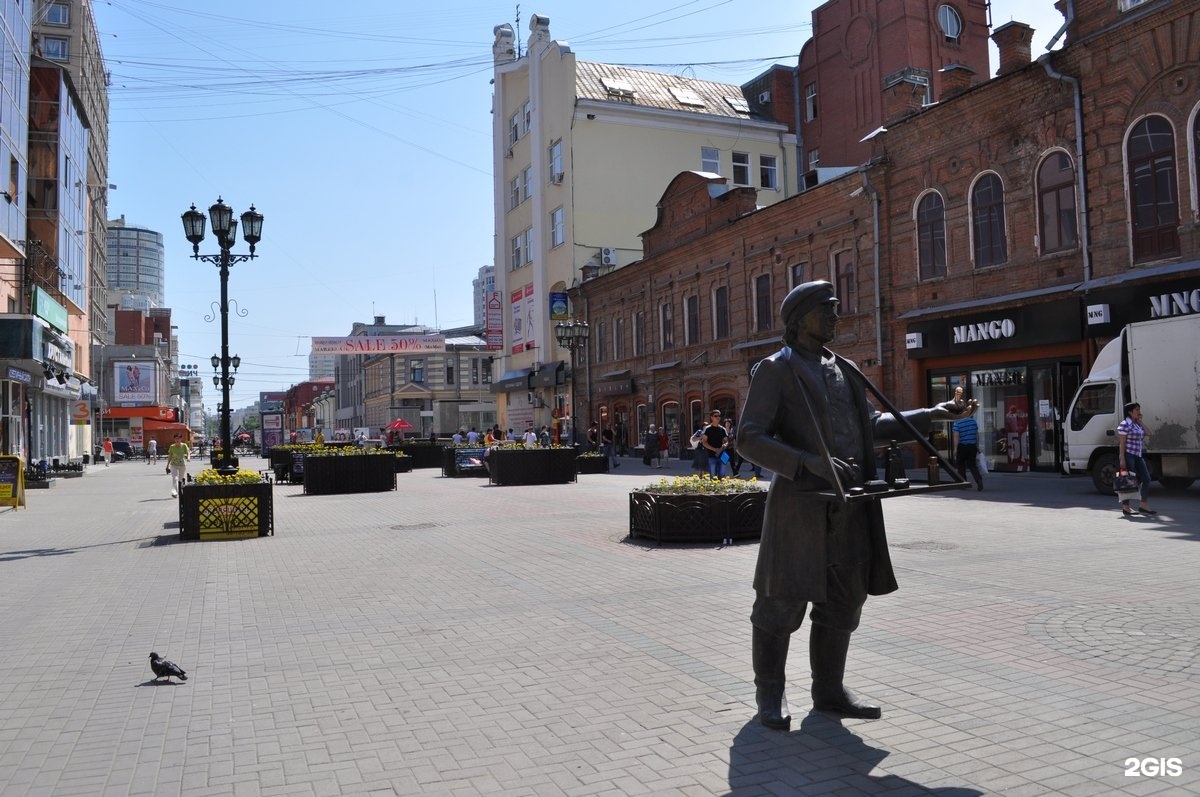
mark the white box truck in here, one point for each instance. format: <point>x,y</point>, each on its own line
<point>1157,364</point>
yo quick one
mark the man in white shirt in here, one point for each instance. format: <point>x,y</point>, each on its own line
<point>531,438</point>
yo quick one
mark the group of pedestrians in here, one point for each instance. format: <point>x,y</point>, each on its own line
<point>715,449</point>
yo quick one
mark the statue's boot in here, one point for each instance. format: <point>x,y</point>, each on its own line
<point>770,655</point>
<point>827,650</point>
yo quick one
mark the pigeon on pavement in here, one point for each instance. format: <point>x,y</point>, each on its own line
<point>165,669</point>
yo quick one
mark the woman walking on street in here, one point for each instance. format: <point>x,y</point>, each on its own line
<point>1131,437</point>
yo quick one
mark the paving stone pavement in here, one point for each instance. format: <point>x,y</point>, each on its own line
<point>453,638</point>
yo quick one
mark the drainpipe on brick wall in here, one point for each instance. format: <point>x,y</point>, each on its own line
<point>1085,237</point>
<point>866,181</point>
<point>799,134</point>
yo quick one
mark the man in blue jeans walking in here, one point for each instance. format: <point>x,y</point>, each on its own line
<point>714,441</point>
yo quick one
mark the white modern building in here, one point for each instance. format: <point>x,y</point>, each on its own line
<point>582,153</point>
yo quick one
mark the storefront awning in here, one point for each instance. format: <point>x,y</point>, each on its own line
<point>156,412</point>
<point>1137,274</point>
<point>991,301</point>
<point>664,366</point>
<point>615,374</point>
<point>152,425</point>
<point>512,380</point>
<point>751,344</point>
<point>549,375</point>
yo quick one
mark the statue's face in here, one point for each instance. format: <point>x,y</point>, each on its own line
<point>819,324</point>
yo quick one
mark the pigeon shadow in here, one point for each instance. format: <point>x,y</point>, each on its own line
<point>821,757</point>
<point>156,682</point>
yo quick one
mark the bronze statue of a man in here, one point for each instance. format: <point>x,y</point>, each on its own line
<point>807,413</point>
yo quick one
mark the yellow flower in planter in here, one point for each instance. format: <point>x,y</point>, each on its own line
<point>243,476</point>
<point>702,485</point>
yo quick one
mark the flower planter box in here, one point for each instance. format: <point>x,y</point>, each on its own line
<point>403,464</point>
<point>591,465</point>
<point>349,473</point>
<point>225,511</point>
<point>531,466</point>
<point>214,460</point>
<point>696,518</point>
<point>421,455</point>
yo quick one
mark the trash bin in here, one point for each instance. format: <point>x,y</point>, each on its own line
<point>87,459</point>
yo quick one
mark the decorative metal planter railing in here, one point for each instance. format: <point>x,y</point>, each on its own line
<point>696,518</point>
<point>225,511</point>
<point>349,473</point>
<point>531,466</point>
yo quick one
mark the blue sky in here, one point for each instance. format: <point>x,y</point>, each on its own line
<point>362,132</point>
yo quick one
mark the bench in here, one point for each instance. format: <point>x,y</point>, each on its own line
<point>469,461</point>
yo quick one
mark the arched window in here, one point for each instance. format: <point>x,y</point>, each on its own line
<point>1057,225</point>
<point>1153,189</point>
<point>931,236</point>
<point>987,221</point>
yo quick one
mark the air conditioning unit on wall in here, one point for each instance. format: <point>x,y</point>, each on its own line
<point>764,97</point>
<point>556,178</point>
<point>608,256</point>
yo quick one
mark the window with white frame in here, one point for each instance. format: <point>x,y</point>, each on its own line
<point>56,49</point>
<point>518,246</point>
<point>529,248</point>
<point>556,160</point>
<point>58,14</point>
<point>810,102</point>
<point>526,182</point>
<point>814,158</point>
<point>416,371</point>
<point>768,172</point>
<point>514,129</point>
<point>797,273</point>
<point>526,117</point>
<point>557,228</point>
<point>710,160</point>
<point>667,318</point>
<point>514,192</point>
<point>741,168</point>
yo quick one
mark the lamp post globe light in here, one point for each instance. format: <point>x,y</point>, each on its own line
<point>573,336</point>
<point>224,227</point>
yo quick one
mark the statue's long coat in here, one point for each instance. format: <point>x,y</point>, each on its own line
<point>776,431</point>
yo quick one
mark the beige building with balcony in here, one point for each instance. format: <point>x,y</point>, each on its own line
<point>582,153</point>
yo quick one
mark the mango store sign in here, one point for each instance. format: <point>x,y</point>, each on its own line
<point>380,344</point>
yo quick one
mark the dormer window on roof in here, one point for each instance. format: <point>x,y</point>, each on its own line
<point>739,104</point>
<point>686,97</point>
<point>617,87</point>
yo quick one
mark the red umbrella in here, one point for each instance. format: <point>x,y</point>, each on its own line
<point>399,425</point>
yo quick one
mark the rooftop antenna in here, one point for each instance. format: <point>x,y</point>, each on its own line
<point>517,28</point>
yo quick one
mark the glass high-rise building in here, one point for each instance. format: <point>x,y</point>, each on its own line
<point>136,266</point>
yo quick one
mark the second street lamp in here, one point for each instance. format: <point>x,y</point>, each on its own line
<point>225,230</point>
<point>573,336</point>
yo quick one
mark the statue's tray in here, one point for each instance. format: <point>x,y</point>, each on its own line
<point>912,489</point>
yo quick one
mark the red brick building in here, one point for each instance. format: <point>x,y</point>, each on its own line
<point>993,239</point>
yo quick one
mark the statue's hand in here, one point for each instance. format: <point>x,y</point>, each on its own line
<point>953,410</point>
<point>819,466</point>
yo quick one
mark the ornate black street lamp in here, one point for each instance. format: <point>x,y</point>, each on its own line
<point>573,336</point>
<point>225,228</point>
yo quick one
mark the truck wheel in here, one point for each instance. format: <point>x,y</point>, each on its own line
<point>1176,482</point>
<point>1103,470</point>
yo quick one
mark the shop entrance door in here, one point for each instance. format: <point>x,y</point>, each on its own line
<point>1051,385</point>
